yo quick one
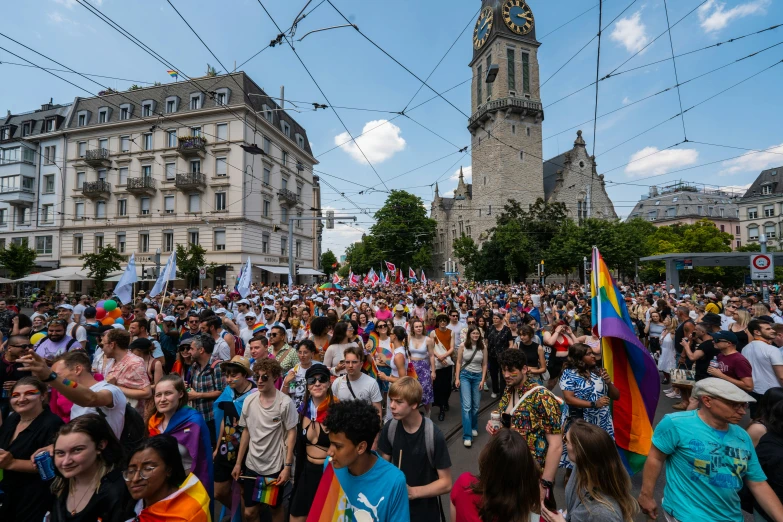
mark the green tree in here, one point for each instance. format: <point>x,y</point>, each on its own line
<point>344,270</point>
<point>328,261</point>
<point>189,260</point>
<point>17,259</point>
<point>402,233</point>
<point>212,72</point>
<point>134,87</point>
<point>468,254</point>
<point>99,265</point>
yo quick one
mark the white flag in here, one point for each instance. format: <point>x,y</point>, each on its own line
<point>168,273</point>
<point>125,284</point>
<point>243,286</point>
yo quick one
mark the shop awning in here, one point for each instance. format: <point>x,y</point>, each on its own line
<point>310,271</point>
<point>274,269</point>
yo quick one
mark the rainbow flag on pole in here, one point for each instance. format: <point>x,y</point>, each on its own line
<point>330,503</point>
<point>630,366</point>
<point>173,74</point>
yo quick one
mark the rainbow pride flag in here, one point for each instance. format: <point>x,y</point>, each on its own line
<point>266,491</point>
<point>173,74</point>
<point>330,503</point>
<point>190,502</point>
<point>630,366</point>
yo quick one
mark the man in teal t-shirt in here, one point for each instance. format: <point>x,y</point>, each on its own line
<point>373,487</point>
<point>707,458</point>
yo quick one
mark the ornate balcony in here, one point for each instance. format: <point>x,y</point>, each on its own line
<point>510,104</point>
<point>191,181</point>
<point>97,158</point>
<point>144,185</point>
<point>287,197</point>
<point>192,147</point>
<point>96,189</point>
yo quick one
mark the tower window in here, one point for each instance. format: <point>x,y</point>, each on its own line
<point>525,73</point>
<point>511,75</point>
<point>479,81</point>
<point>485,181</point>
<point>528,132</point>
<point>489,85</point>
<point>521,155</point>
<point>513,129</point>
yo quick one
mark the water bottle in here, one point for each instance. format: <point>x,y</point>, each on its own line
<point>714,362</point>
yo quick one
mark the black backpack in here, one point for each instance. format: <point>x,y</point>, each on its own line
<point>134,431</point>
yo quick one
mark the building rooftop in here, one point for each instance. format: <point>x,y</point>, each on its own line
<point>686,200</point>
<point>767,184</point>
<point>32,123</point>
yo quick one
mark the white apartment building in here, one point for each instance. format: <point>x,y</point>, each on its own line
<point>32,147</point>
<point>761,208</point>
<point>152,168</point>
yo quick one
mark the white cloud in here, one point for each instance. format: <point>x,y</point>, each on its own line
<point>651,161</point>
<point>449,194</point>
<point>66,3</point>
<point>737,190</point>
<point>714,16</point>
<point>626,100</point>
<point>381,144</point>
<point>754,161</point>
<point>467,173</point>
<point>631,33</point>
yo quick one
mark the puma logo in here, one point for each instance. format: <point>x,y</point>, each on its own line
<point>364,500</point>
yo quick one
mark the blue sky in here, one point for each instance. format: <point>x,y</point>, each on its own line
<point>353,73</point>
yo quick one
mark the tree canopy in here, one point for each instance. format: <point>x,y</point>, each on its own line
<point>17,259</point>
<point>328,262</point>
<point>100,264</point>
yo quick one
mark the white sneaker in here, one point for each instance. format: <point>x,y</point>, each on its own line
<point>678,396</point>
<point>467,443</point>
<point>474,433</point>
<point>486,387</point>
<point>494,395</point>
<point>670,390</point>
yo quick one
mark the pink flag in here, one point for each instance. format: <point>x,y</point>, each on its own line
<point>411,273</point>
<point>390,267</point>
<point>336,278</point>
<point>423,277</point>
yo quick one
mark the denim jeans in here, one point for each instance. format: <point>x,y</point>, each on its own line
<point>470,396</point>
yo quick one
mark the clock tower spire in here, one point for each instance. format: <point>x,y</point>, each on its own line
<point>505,125</point>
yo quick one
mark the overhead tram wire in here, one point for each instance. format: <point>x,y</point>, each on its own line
<point>4,62</point>
<point>674,64</point>
<point>568,22</point>
<point>598,70</point>
<point>322,93</point>
<point>657,37</point>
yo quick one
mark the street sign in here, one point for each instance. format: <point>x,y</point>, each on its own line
<point>762,267</point>
<point>202,273</point>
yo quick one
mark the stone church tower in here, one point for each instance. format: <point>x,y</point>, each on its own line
<point>506,138</point>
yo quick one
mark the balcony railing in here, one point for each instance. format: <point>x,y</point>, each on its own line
<point>142,185</point>
<point>513,104</point>
<point>96,189</point>
<point>190,146</point>
<point>287,197</point>
<point>97,158</point>
<point>193,180</point>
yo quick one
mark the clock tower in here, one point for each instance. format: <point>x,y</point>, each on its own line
<point>505,125</point>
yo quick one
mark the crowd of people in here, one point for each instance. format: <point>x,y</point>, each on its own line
<point>299,404</point>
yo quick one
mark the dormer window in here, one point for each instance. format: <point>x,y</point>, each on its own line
<point>50,125</point>
<point>27,128</point>
<point>267,113</point>
<point>766,190</point>
<point>147,107</point>
<point>286,128</point>
<point>222,95</point>
<point>83,118</point>
<point>126,111</point>
<point>196,100</point>
<point>172,104</point>
<point>5,133</point>
<point>104,113</point>
<point>300,141</point>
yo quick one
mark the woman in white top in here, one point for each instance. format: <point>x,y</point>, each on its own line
<point>341,339</point>
<point>399,363</point>
<point>472,362</point>
<point>422,353</point>
<point>668,359</point>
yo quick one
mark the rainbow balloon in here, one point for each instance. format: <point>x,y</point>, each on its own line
<point>631,367</point>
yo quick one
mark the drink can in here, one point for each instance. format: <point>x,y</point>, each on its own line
<point>6,393</point>
<point>494,419</point>
<point>45,465</point>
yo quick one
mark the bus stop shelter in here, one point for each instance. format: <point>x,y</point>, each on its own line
<point>677,262</point>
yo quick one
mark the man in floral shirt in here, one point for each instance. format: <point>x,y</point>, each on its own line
<point>129,372</point>
<point>534,412</point>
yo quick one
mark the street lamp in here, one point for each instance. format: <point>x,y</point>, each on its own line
<point>492,73</point>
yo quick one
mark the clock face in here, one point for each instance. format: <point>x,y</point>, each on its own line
<point>518,16</point>
<point>483,27</point>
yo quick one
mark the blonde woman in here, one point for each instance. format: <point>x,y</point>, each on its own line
<point>668,359</point>
<point>740,328</point>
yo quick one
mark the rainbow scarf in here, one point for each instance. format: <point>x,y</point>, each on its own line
<point>630,366</point>
<point>190,503</point>
<point>316,413</point>
<point>330,503</point>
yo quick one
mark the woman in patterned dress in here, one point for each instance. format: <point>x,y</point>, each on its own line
<point>587,390</point>
<point>422,350</point>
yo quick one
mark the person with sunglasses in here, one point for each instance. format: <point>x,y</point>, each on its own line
<point>10,369</point>
<point>31,426</point>
<point>266,448</point>
<point>312,442</point>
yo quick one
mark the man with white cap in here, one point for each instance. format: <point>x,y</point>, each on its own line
<point>73,329</point>
<point>708,458</point>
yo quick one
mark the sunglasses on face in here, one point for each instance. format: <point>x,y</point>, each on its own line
<point>22,346</point>
<point>320,379</point>
<point>382,326</point>
<point>263,378</point>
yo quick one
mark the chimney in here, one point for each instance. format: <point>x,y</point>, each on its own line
<point>653,191</point>
<point>282,96</point>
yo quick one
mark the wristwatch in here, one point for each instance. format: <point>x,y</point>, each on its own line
<point>592,404</point>
<point>52,376</point>
<point>547,483</point>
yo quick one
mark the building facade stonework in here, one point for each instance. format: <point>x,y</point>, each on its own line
<point>506,129</point>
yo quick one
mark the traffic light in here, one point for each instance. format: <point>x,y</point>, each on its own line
<point>296,269</point>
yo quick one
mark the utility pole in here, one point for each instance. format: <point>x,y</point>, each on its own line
<point>329,218</point>
<point>587,289</point>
